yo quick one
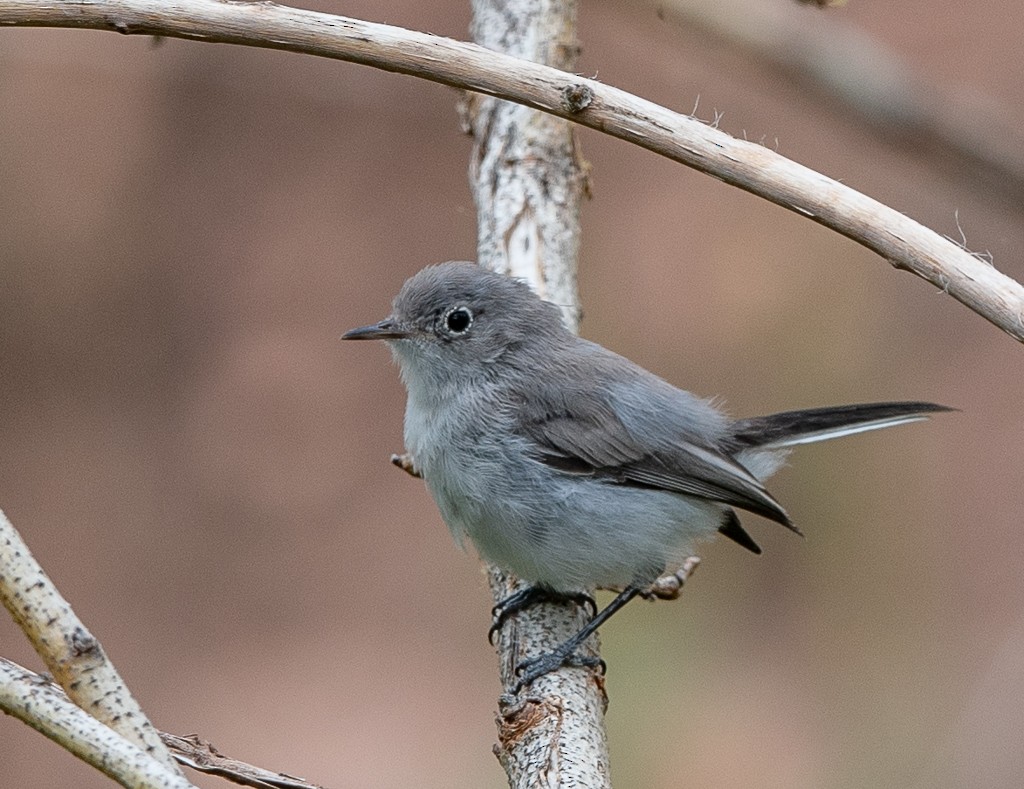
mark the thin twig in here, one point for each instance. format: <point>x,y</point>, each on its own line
<point>201,755</point>
<point>906,244</point>
<point>43,705</point>
<point>670,586</point>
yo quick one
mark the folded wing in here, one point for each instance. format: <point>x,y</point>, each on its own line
<point>582,434</point>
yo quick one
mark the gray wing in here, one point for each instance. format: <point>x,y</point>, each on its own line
<point>580,433</point>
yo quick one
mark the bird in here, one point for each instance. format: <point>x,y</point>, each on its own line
<point>567,464</point>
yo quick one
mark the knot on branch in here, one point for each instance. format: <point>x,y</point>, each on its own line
<point>518,718</point>
<point>119,26</point>
<point>576,98</point>
<point>82,642</point>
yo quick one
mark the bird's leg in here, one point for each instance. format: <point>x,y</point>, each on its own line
<point>532,595</point>
<point>665,587</point>
<point>565,653</point>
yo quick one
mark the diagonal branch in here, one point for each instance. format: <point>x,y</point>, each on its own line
<point>904,243</point>
<point>71,653</point>
<point>43,705</point>
<point>34,700</point>
<point>203,757</point>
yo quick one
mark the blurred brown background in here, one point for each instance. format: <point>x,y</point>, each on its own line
<point>185,231</point>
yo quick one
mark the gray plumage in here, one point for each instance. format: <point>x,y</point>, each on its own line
<point>563,462</point>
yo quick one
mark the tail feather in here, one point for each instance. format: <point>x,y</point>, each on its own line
<point>732,529</point>
<point>820,424</point>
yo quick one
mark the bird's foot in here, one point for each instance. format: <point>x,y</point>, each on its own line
<point>532,595</point>
<point>565,655</point>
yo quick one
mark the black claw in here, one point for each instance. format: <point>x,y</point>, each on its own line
<point>532,668</point>
<point>532,595</point>
<point>584,600</point>
<point>565,653</point>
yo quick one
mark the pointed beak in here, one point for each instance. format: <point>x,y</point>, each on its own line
<point>387,329</point>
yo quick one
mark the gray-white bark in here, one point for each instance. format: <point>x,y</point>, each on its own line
<point>42,706</point>
<point>71,653</point>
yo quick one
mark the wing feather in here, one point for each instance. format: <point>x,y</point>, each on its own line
<point>581,434</point>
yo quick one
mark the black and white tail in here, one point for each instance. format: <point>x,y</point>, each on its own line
<point>790,428</point>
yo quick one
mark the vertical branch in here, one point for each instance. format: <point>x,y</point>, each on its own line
<point>526,173</point>
<point>528,179</point>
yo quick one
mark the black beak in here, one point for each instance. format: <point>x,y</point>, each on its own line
<point>387,329</point>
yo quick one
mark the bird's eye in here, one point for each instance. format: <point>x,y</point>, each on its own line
<point>458,320</point>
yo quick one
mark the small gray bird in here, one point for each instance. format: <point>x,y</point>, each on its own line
<point>567,464</point>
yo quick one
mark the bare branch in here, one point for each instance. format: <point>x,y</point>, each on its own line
<point>202,756</point>
<point>71,653</point>
<point>43,706</point>
<point>670,586</point>
<point>749,166</point>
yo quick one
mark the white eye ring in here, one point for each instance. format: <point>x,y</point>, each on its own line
<point>458,320</point>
